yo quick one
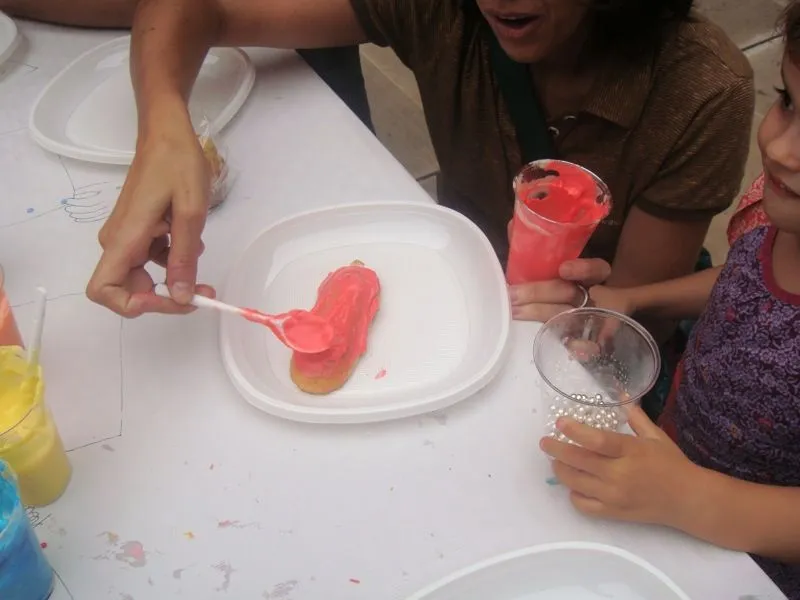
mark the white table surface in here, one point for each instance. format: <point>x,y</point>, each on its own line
<point>228,502</point>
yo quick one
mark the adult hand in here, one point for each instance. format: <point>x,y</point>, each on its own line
<point>159,217</point>
<point>613,475</point>
<point>543,300</point>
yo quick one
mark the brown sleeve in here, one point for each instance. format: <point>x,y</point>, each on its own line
<point>409,27</point>
<point>703,173</point>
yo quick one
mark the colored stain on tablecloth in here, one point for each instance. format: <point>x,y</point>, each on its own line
<point>133,554</point>
<point>227,571</point>
<point>111,538</point>
<point>283,590</point>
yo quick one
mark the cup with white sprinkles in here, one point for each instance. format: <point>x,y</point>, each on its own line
<point>593,363</point>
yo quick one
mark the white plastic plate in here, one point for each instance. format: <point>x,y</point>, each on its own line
<point>88,111</point>
<point>566,571</point>
<point>439,336</point>
<point>9,37</point>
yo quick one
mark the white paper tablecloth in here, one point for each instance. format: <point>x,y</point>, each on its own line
<point>181,489</point>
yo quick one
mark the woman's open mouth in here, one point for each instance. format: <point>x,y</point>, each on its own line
<point>515,26</point>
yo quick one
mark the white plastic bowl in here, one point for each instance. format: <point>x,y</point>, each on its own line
<point>565,571</point>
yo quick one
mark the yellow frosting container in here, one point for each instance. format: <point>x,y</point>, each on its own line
<point>29,440</point>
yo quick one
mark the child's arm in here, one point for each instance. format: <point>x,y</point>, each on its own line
<point>683,298</point>
<point>743,516</point>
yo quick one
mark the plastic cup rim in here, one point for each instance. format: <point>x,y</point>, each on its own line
<point>37,402</point>
<point>530,212</point>
<point>648,338</point>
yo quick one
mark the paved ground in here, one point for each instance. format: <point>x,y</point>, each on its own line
<point>397,109</point>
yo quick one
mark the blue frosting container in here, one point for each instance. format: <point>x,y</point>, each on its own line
<point>25,573</point>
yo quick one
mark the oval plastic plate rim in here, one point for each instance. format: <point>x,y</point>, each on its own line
<point>8,23</point>
<point>125,158</point>
<point>426,592</point>
<point>372,414</point>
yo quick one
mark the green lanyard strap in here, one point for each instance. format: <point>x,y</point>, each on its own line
<point>527,114</point>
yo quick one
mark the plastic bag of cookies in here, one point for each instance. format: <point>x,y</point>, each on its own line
<point>218,166</point>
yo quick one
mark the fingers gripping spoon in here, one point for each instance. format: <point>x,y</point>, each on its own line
<point>299,330</point>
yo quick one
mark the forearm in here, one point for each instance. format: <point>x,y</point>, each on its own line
<point>171,37</point>
<point>653,250</point>
<point>742,516</point>
<point>682,298</point>
<point>79,13</point>
<point>169,41</point>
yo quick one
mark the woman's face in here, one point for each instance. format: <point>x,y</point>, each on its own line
<point>779,142</point>
<point>533,30</point>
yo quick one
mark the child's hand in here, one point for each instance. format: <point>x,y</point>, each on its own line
<point>621,476</point>
<point>616,299</point>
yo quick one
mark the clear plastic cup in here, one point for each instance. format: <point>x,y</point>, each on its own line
<point>548,228</point>
<point>29,439</point>
<point>9,332</point>
<point>593,363</point>
<point>25,573</point>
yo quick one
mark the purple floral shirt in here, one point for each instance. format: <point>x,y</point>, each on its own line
<point>735,405</point>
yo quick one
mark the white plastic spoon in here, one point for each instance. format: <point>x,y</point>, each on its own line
<point>299,330</point>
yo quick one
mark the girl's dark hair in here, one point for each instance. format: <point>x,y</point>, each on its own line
<point>636,26</point>
<point>790,24</point>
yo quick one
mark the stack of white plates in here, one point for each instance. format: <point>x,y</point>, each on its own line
<point>88,111</point>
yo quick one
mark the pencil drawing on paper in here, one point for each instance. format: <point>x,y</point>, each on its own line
<point>83,204</point>
<point>84,207</point>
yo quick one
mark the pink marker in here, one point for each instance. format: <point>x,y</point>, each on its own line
<point>297,329</point>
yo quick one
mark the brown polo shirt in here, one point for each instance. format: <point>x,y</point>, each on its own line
<point>669,134</point>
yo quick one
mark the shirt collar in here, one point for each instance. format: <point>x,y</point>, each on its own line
<point>621,91</point>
